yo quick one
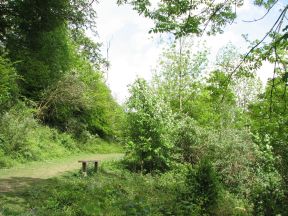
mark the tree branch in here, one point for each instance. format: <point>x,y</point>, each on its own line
<point>255,20</point>
<point>280,18</point>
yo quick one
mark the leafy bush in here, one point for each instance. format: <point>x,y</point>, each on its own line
<point>232,152</point>
<point>230,204</point>
<point>150,129</point>
<point>234,155</point>
<point>15,125</point>
<point>202,190</point>
<point>189,139</point>
<point>63,104</point>
<point>269,124</point>
<point>80,102</point>
<point>268,195</point>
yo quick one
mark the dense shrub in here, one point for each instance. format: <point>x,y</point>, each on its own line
<point>268,195</point>
<point>81,102</point>
<point>149,129</point>
<point>202,190</point>
<point>189,139</point>
<point>63,104</point>
<point>234,155</point>
<point>269,125</point>
<point>231,151</point>
<point>231,204</point>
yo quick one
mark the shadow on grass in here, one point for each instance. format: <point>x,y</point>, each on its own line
<point>14,194</point>
<point>14,184</point>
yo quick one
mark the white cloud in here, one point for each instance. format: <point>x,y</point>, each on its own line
<point>133,51</point>
<point>265,72</point>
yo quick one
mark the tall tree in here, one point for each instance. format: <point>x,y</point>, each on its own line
<point>181,67</point>
<point>36,34</point>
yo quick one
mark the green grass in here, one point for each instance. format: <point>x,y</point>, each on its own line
<point>102,147</point>
<point>112,191</point>
<point>51,168</point>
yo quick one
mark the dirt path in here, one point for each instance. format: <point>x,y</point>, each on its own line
<point>13,179</point>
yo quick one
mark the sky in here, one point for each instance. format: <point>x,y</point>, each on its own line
<point>133,52</point>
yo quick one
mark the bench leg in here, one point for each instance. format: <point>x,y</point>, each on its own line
<point>95,166</point>
<point>84,168</point>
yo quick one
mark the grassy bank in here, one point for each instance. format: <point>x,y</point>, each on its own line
<point>24,139</point>
<point>56,151</point>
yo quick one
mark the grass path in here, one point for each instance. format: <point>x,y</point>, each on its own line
<point>29,173</point>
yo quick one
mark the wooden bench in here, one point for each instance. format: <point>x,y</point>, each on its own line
<point>85,163</point>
